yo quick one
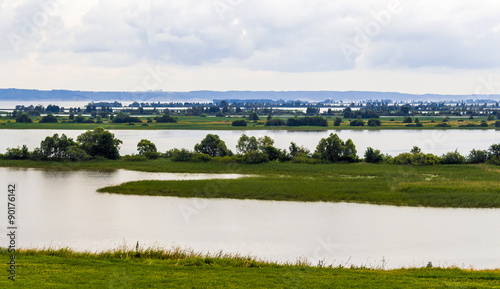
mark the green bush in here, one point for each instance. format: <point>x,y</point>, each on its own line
<point>254,157</point>
<point>125,118</point>
<point>415,159</point>
<point>134,158</point>
<point>166,119</point>
<point>201,158</point>
<point>374,122</point>
<point>17,153</point>
<point>275,122</point>
<point>477,157</point>
<point>180,155</point>
<point>239,122</point>
<point>452,158</point>
<point>24,118</point>
<point>152,155</point>
<point>373,156</point>
<point>49,119</point>
<point>357,122</point>
<point>407,119</point>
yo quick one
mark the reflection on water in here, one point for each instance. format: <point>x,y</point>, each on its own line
<point>391,142</point>
<point>62,209</point>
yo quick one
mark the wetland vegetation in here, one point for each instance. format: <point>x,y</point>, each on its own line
<point>176,268</point>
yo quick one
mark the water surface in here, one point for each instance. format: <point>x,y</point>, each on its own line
<point>391,142</point>
<point>62,209</point>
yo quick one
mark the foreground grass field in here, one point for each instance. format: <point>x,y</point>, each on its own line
<point>180,269</point>
<point>464,186</point>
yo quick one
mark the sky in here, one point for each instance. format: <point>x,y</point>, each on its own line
<point>427,46</point>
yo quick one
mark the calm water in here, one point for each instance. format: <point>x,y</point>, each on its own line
<point>62,209</point>
<point>391,142</point>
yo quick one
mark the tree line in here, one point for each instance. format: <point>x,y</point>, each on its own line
<point>102,144</point>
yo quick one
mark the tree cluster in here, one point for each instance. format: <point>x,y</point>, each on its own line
<point>97,143</point>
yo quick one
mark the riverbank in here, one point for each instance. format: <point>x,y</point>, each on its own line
<point>456,186</point>
<point>186,269</point>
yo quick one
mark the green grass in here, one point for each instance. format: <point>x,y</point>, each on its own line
<point>155,268</point>
<point>450,187</point>
<point>224,123</point>
<point>464,186</point>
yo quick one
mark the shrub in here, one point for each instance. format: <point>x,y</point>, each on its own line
<point>17,153</point>
<point>407,119</point>
<point>415,159</point>
<point>49,119</point>
<point>134,158</point>
<point>357,122</point>
<point>239,122</point>
<point>337,121</point>
<point>443,124</point>
<point>254,157</point>
<point>374,122</point>
<point>166,119</point>
<point>201,158</point>
<point>373,156</point>
<point>494,154</point>
<point>182,155</point>
<point>275,122</point>
<point>253,116</point>
<point>152,155</point>
<point>497,123</point>
<point>24,118</point>
<point>477,156</point>
<point>307,121</point>
<point>451,158</point>
<point>273,153</point>
<point>79,119</point>
<point>125,118</point>
<point>305,160</point>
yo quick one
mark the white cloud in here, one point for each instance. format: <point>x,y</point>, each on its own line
<point>282,39</point>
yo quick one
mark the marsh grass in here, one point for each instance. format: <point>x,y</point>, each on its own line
<point>178,268</point>
<point>459,186</point>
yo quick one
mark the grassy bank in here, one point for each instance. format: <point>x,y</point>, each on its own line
<point>181,269</point>
<point>465,186</point>
<point>225,123</point>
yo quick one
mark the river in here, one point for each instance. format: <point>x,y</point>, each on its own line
<point>390,142</point>
<point>62,209</point>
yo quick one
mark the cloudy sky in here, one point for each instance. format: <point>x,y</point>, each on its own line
<point>427,46</point>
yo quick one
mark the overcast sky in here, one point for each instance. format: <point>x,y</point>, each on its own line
<point>446,46</point>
